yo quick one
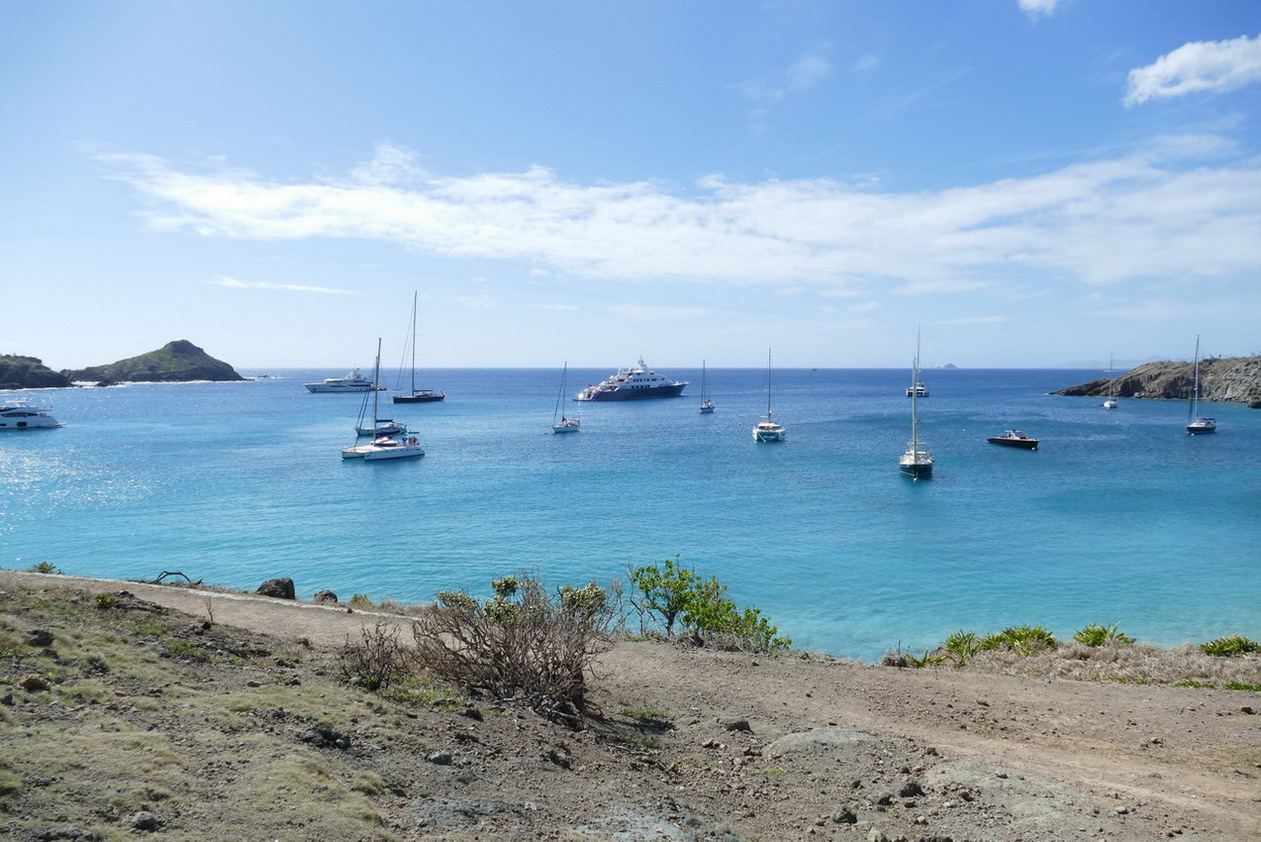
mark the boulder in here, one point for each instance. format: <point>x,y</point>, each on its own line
<point>278,588</point>
<point>324,596</point>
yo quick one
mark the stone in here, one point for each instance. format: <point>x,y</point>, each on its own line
<point>324,596</point>
<point>911,788</point>
<point>39,638</point>
<point>278,588</point>
<point>33,682</point>
<point>440,758</point>
<point>145,820</point>
<point>737,725</point>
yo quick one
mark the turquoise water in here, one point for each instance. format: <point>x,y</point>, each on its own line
<point>1119,516</point>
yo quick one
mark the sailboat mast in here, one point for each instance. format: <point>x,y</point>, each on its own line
<point>768,384</point>
<point>560,392</point>
<point>376,392</point>
<point>1195,391</point>
<point>414,294</point>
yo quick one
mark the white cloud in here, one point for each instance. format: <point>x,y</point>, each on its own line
<point>1213,66</point>
<point>1038,8</point>
<point>477,302</point>
<point>645,313</point>
<point>1141,216</point>
<point>802,75</point>
<point>233,283</point>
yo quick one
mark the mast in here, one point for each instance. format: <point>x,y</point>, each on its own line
<point>768,384</point>
<point>376,393</point>
<point>1195,392</point>
<point>414,295</point>
<point>560,392</point>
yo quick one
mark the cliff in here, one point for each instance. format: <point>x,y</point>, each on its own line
<point>1232,380</point>
<point>28,373</point>
<point>176,361</point>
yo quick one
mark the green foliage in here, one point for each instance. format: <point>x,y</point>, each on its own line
<point>1191,682</point>
<point>1096,635</point>
<point>1023,640</point>
<point>928,659</point>
<point>671,593</point>
<point>1228,647</point>
<point>360,601</point>
<point>1239,685</point>
<point>106,600</point>
<point>44,567</point>
<point>961,646</point>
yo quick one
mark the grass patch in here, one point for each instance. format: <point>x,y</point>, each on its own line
<point>1230,647</point>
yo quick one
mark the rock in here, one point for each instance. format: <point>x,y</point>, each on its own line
<point>910,789</point>
<point>845,816</point>
<point>7,701</point>
<point>32,682</point>
<point>278,588</point>
<point>324,596</point>
<point>145,820</point>
<point>39,638</point>
<point>736,725</point>
<point>322,737</point>
<point>440,758</point>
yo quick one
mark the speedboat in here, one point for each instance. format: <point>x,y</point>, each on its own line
<point>1110,403</point>
<point>352,381</point>
<point>17,414</point>
<point>631,384</point>
<point>1014,438</point>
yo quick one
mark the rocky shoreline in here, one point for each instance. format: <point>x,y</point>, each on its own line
<point>1224,379</point>
<point>175,362</point>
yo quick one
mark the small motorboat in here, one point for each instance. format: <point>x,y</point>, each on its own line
<point>1014,438</point>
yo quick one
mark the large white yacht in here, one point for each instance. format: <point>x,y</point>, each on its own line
<point>352,381</point>
<point>17,414</point>
<point>632,384</point>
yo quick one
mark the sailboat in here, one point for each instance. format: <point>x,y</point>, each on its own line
<point>915,463</point>
<point>385,446</point>
<point>375,425</point>
<point>769,430</point>
<point>1197,424</point>
<point>417,395</point>
<point>707,405</point>
<point>561,423</point>
<point>1110,402</point>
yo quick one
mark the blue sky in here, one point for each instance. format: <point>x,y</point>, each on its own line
<point>1034,182</point>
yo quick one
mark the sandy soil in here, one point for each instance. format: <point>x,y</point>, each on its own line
<point>694,744</point>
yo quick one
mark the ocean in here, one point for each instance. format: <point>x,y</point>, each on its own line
<point>1119,516</point>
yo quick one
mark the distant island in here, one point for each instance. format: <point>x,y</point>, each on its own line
<point>1226,379</point>
<point>174,362</point>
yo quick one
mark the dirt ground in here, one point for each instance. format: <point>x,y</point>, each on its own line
<point>690,744</point>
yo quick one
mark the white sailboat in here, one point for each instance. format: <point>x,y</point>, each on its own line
<point>1110,402</point>
<point>388,446</point>
<point>417,395</point>
<point>562,423</point>
<point>707,405</point>
<point>374,425</point>
<point>768,430</point>
<point>915,463</point>
<point>1198,424</point>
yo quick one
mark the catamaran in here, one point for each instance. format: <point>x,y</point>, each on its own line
<point>768,430</point>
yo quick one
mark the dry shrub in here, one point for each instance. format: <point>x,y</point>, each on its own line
<point>524,645</point>
<point>376,661</point>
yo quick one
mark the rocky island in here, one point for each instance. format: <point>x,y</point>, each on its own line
<point>1226,379</point>
<point>174,362</point>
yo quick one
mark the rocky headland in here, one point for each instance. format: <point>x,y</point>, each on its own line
<point>17,372</point>
<point>174,362</point>
<point>1226,379</point>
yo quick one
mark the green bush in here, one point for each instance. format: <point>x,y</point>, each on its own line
<point>44,567</point>
<point>1023,640</point>
<point>670,593</point>
<point>1096,635</point>
<point>961,646</point>
<point>1228,647</point>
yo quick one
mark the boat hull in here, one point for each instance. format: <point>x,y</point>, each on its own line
<point>421,397</point>
<point>916,471</point>
<point>1202,426</point>
<point>763,433</point>
<point>1021,444</point>
<point>674,390</point>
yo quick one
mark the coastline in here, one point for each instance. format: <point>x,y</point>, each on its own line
<point>688,744</point>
